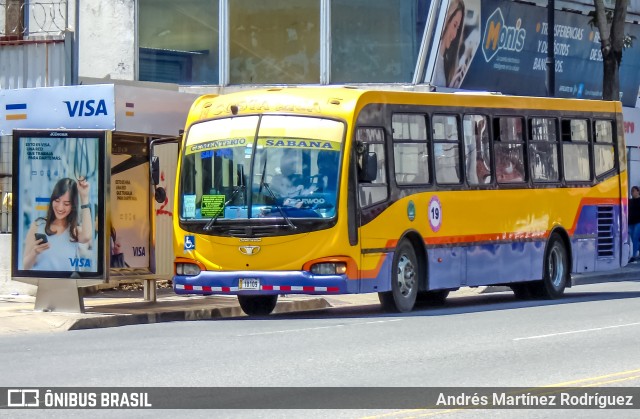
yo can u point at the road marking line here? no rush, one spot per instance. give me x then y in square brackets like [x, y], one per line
[318, 328]
[612, 381]
[596, 329]
[616, 374]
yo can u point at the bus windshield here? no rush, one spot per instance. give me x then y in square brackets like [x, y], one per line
[260, 167]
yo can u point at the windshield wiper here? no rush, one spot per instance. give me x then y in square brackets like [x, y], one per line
[213, 220]
[275, 203]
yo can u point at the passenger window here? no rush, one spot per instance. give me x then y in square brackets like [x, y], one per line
[446, 146]
[410, 149]
[543, 150]
[575, 150]
[508, 147]
[477, 155]
[378, 189]
[603, 147]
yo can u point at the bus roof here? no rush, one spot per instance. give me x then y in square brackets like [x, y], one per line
[341, 102]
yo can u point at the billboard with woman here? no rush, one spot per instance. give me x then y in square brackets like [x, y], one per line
[59, 206]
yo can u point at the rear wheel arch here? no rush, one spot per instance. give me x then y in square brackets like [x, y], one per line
[420, 249]
[564, 236]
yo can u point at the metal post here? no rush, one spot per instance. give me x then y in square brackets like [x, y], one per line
[150, 290]
[551, 59]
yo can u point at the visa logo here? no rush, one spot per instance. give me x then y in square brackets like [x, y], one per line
[497, 36]
[80, 262]
[89, 107]
[138, 251]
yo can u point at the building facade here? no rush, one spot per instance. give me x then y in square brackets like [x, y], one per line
[218, 46]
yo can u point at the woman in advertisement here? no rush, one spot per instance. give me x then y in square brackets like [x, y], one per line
[52, 242]
[447, 62]
[458, 43]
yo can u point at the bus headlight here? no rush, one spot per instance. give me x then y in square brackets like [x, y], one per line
[188, 269]
[329, 268]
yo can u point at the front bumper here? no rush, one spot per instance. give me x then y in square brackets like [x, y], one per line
[271, 282]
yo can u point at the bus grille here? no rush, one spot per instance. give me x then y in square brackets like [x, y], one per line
[605, 243]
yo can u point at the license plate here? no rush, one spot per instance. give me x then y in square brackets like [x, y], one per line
[249, 284]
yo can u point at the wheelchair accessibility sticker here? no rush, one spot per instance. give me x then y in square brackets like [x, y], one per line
[189, 243]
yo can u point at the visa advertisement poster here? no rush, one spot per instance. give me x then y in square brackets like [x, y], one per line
[129, 233]
[502, 46]
[58, 178]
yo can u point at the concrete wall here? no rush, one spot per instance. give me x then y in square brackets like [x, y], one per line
[107, 43]
[7, 286]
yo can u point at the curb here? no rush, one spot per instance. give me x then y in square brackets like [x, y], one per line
[98, 320]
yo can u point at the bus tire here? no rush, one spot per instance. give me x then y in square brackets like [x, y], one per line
[405, 279]
[257, 305]
[555, 271]
[435, 298]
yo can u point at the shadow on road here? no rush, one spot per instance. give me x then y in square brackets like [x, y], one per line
[457, 305]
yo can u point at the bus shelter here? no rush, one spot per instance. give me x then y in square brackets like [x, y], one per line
[82, 165]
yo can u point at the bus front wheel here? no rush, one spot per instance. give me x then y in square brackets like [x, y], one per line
[405, 279]
[555, 271]
[257, 305]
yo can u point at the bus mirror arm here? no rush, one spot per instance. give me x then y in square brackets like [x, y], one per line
[160, 195]
[155, 170]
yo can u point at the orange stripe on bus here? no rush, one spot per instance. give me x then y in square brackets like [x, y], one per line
[373, 273]
[492, 237]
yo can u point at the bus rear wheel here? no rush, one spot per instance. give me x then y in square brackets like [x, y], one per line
[405, 279]
[555, 271]
[257, 305]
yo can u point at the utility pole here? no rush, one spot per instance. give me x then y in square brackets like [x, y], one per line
[551, 50]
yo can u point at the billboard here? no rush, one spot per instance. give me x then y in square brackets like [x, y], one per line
[500, 45]
[130, 205]
[58, 217]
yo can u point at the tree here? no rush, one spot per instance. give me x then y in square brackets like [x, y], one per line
[610, 24]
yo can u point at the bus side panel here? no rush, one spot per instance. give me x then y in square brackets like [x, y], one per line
[597, 241]
[446, 267]
[504, 263]
[378, 280]
[584, 259]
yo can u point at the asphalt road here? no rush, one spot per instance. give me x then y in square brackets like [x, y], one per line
[589, 338]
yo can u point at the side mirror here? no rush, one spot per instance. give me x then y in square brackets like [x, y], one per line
[155, 170]
[160, 195]
[369, 170]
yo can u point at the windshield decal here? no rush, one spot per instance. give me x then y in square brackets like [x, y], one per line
[189, 206]
[212, 205]
[299, 143]
[217, 144]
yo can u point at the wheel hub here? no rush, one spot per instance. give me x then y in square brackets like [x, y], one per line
[406, 275]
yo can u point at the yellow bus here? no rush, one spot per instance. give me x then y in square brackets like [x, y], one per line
[405, 194]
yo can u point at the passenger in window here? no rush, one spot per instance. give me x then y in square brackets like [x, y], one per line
[509, 167]
[634, 223]
[287, 182]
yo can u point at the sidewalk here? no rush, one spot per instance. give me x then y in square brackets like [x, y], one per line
[119, 308]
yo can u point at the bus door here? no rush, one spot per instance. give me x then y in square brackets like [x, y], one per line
[372, 192]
